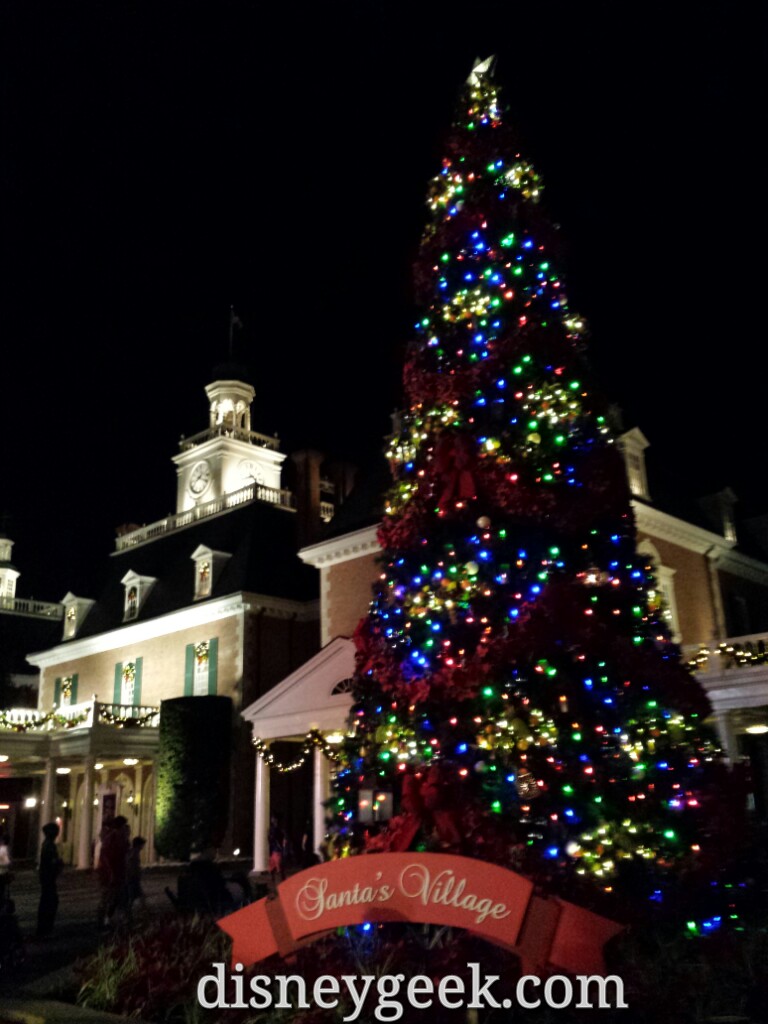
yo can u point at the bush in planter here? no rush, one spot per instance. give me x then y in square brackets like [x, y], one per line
[193, 768]
[153, 973]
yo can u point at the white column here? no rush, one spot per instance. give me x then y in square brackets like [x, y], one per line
[86, 818]
[261, 816]
[138, 783]
[69, 833]
[726, 735]
[48, 795]
[321, 778]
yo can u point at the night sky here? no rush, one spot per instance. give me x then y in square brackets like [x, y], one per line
[159, 162]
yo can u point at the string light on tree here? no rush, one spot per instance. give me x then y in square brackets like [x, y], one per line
[516, 685]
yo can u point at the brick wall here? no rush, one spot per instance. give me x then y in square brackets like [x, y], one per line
[347, 593]
[693, 592]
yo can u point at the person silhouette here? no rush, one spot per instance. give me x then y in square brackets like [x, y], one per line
[49, 869]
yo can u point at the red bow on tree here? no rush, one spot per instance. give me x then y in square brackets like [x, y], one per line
[454, 462]
[423, 803]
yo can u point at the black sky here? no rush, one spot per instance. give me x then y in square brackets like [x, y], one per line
[159, 162]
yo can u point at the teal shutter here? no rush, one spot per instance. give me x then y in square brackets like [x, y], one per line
[73, 698]
[213, 665]
[118, 691]
[189, 670]
[57, 691]
[137, 682]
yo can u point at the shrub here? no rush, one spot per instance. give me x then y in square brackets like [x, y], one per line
[193, 765]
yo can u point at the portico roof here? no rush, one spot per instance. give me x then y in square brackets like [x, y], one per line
[316, 696]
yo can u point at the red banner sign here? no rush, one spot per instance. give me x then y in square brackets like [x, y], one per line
[429, 888]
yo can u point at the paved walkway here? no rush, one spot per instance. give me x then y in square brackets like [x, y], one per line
[46, 970]
[75, 933]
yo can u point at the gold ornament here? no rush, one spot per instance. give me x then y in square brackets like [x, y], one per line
[526, 785]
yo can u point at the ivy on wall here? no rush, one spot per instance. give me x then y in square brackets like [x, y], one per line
[193, 769]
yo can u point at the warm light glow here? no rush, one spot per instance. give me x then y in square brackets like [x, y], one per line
[98, 766]
[757, 730]
[130, 761]
[3, 758]
[31, 801]
[334, 737]
[63, 771]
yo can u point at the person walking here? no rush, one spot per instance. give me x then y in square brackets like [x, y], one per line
[277, 842]
[134, 890]
[112, 869]
[49, 870]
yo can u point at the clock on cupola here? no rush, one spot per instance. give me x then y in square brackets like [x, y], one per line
[228, 458]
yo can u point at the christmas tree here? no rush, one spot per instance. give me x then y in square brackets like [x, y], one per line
[517, 690]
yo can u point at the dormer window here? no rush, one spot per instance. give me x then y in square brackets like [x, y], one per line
[718, 508]
[633, 445]
[136, 590]
[208, 566]
[203, 579]
[75, 611]
[8, 574]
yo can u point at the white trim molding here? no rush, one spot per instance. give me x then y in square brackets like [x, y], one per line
[745, 566]
[677, 531]
[305, 699]
[191, 617]
[342, 548]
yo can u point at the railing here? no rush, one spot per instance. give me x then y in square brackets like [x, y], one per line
[327, 508]
[251, 436]
[83, 715]
[27, 606]
[736, 652]
[258, 492]
[123, 716]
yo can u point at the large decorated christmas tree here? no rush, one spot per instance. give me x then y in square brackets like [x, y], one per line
[517, 690]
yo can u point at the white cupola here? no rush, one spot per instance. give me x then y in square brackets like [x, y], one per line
[229, 458]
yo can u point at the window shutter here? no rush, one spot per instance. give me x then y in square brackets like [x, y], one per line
[57, 691]
[137, 682]
[189, 670]
[118, 691]
[73, 698]
[213, 665]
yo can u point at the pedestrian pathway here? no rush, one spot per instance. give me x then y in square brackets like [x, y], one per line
[46, 969]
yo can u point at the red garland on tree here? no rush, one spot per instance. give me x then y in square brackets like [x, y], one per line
[516, 686]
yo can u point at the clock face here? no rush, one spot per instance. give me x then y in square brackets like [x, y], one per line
[199, 478]
[251, 472]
